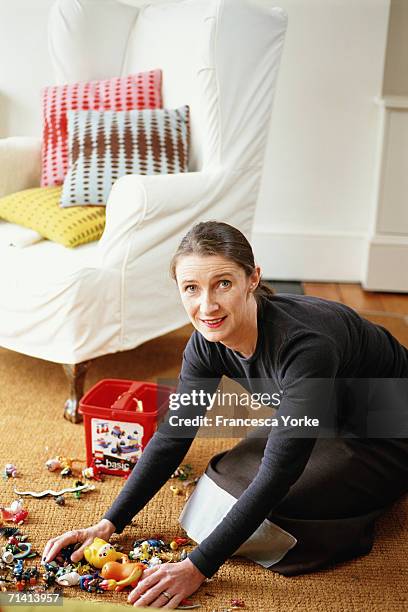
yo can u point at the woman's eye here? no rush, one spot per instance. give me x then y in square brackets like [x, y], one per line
[225, 283]
[190, 288]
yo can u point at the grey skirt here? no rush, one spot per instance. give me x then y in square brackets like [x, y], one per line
[328, 515]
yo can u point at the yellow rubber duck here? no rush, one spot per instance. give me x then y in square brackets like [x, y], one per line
[99, 552]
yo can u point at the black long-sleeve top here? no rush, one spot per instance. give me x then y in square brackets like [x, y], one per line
[299, 338]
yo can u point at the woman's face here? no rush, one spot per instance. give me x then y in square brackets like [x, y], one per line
[216, 294]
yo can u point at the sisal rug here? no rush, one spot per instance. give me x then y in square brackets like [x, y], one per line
[32, 394]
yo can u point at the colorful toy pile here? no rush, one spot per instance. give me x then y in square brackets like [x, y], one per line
[103, 568]
[65, 465]
[13, 575]
[155, 551]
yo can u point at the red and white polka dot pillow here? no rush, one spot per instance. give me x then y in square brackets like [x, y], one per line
[133, 92]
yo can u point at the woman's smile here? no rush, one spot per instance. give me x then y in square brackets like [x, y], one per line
[214, 323]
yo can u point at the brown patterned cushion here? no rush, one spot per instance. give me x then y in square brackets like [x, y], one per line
[105, 145]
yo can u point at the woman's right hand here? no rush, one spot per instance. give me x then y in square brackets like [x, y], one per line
[103, 529]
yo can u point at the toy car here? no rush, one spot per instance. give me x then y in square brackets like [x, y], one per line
[117, 431]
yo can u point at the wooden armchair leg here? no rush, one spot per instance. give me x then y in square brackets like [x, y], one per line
[76, 374]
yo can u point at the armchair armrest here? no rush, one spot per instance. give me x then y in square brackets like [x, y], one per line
[20, 164]
[146, 211]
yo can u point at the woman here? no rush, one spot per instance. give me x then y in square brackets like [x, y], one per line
[311, 500]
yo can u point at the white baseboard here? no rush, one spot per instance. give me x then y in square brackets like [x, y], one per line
[310, 256]
[387, 264]
[379, 264]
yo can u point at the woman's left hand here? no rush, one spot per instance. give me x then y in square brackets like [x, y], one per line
[176, 580]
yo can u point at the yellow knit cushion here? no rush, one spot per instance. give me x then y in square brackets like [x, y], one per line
[39, 210]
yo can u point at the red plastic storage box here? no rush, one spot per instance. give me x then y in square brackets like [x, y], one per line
[120, 417]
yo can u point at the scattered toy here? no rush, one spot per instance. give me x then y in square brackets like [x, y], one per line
[181, 541]
[92, 473]
[237, 603]
[77, 494]
[52, 464]
[60, 500]
[120, 575]
[49, 578]
[91, 583]
[10, 471]
[21, 551]
[51, 566]
[8, 557]
[18, 569]
[8, 532]
[100, 552]
[155, 551]
[191, 481]
[82, 568]
[183, 472]
[84, 488]
[69, 579]
[14, 513]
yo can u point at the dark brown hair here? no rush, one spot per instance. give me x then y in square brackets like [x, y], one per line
[217, 238]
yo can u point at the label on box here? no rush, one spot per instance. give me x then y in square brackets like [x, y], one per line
[116, 445]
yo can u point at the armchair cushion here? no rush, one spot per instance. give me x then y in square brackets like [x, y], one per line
[39, 210]
[106, 145]
[136, 91]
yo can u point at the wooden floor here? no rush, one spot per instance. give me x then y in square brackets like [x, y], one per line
[387, 309]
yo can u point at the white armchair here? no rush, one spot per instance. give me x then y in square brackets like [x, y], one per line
[219, 56]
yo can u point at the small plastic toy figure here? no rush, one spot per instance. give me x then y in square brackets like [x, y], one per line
[10, 471]
[91, 583]
[69, 579]
[92, 473]
[100, 552]
[18, 569]
[49, 578]
[120, 575]
[14, 513]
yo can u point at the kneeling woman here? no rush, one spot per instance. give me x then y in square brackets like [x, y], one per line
[293, 503]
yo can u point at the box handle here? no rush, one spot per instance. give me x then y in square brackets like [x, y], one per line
[127, 400]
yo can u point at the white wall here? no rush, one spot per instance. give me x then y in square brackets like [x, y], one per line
[24, 65]
[315, 202]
